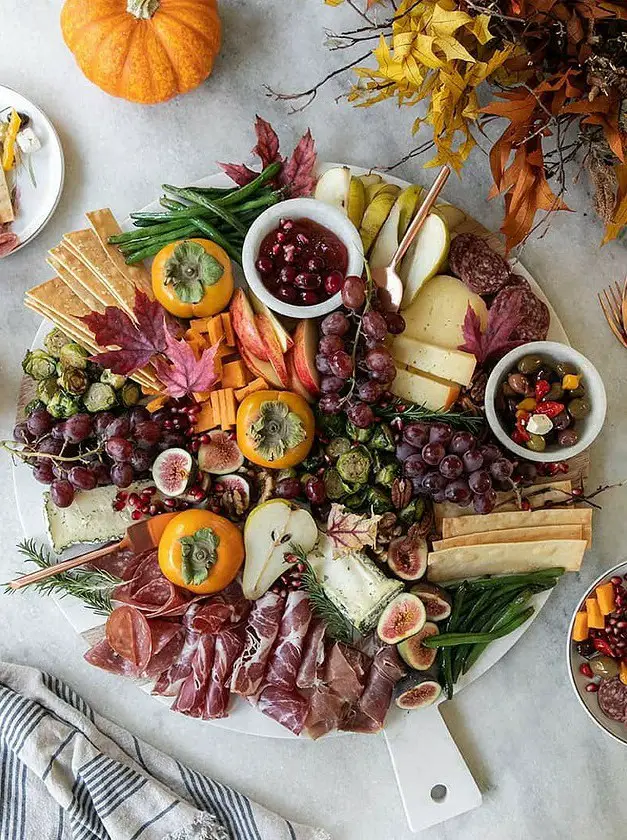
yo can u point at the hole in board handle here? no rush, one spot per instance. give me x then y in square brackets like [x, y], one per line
[438, 793]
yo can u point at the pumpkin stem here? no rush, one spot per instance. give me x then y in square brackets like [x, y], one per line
[142, 9]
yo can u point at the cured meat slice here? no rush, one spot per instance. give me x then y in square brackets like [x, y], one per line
[128, 633]
[229, 607]
[535, 316]
[288, 708]
[368, 714]
[228, 646]
[103, 656]
[261, 631]
[192, 694]
[472, 260]
[150, 591]
[313, 655]
[288, 650]
[120, 563]
[171, 678]
[612, 696]
[326, 711]
[345, 671]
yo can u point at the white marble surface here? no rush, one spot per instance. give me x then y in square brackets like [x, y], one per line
[545, 771]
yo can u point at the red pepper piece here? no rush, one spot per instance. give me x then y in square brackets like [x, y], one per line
[542, 389]
[603, 647]
[520, 434]
[550, 408]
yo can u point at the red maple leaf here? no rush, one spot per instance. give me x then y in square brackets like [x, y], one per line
[138, 342]
[502, 321]
[297, 173]
[267, 148]
[239, 172]
[183, 373]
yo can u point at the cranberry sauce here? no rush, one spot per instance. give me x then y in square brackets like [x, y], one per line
[302, 262]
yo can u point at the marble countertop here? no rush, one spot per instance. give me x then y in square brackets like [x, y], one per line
[544, 769]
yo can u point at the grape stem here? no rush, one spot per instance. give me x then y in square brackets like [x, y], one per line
[25, 455]
[367, 307]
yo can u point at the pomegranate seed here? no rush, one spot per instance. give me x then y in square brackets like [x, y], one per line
[136, 515]
[195, 445]
[144, 509]
[218, 487]
[121, 496]
[603, 647]
[586, 670]
[170, 503]
[133, 500]
[591, 688]
[205, 438]
[621, 625]
[198, 495]
[616, 581]
[612, 621]
[118, 505]
[300, 567]
[167, 424]
[280, 236]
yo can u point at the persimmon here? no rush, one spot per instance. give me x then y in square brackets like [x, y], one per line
[275, 429]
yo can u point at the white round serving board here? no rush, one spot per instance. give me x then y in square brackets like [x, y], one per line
[409, 735]
[37, 201]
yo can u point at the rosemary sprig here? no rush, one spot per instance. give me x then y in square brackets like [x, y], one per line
[92, 586]
[337, 626]
[412, 412]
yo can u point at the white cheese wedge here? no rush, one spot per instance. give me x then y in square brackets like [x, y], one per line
[505, 559]
[436, 361]
[438, 311]
[90, 518]
[424, 390]
[28, 141]
[6, 207]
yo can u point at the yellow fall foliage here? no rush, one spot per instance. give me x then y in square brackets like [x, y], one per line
[440, 54]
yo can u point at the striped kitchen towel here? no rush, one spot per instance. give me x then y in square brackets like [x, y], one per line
[68, 774]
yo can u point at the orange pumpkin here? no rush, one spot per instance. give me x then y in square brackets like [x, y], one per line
[143, 50]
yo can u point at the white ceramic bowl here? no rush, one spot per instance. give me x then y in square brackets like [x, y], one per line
[589, 701]
[300, 208]
[588, 427]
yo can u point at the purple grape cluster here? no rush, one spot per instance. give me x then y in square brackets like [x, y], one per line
[370, 364]
[127, 445]
[452, 466]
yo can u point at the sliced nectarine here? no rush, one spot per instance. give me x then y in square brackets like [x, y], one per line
[305, 348]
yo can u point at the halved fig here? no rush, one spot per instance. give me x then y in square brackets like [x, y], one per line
[414, 653]
[438, 603]
[407, 557]
[172, 471]
[221, 455]
[415, 691]
[403, 617]
[235, 494]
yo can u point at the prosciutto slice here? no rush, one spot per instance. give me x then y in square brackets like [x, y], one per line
[227, 608]
[191, 697]
[289, 708]
[325, 713]
[150, 591]
[228, 646]
[345, 670]
[288, 650]
[309, 672]
[368, 714]
[261, 631]
[174, 672]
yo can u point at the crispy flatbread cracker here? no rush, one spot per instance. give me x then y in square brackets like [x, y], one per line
[86, 245]
[85, 276]
[505, 559]
[547, 532]
[58, 297]
[105, 225]
[73, 285]
[461, 525]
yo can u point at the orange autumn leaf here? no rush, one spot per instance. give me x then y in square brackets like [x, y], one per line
[619, 219]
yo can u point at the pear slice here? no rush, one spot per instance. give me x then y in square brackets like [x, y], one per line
[376, 189]
[370, 179]
[452, 215]
[333, 187]
[270, 530]
[395, 226]
[376, 214]
[425, 257]
[356, 201]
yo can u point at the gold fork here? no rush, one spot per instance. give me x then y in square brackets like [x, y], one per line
[613, 302]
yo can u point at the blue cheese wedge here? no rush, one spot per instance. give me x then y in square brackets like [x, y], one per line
[90, 518]
[353, 583]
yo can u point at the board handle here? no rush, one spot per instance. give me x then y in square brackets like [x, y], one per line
[434, 782]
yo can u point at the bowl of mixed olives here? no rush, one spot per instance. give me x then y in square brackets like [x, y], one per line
[545, 401]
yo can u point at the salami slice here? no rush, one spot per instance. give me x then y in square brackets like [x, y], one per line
[612, 695]
[129, 635]
[151, 592]
[535, 316]
[477, 265]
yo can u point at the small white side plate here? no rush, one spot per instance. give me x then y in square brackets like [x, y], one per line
[37, 202]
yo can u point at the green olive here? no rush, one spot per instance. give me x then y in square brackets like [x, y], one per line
[555, 393]
[577, 392]
[579, 407]
[565, 367]
[530, 364]
[604, 666]
[536, 443]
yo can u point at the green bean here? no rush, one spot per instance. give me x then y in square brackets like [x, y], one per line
[153, 246]
[213, 234]
[145, 233]
[506, 580]
[249, 189]
[454, 639]
[501, 617]
[216, 209]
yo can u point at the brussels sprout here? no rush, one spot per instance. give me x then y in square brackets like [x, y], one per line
[72, 355]
[382, 438]
[130, 394]
[46, 389]
[38, 364]
[74, 381]
[386, 475]
[334, 485]
[116, 380]
[287, 472]
[331, 425]
[379, 501]
[63, 405]
[54, 341]
[356, 501]
[99, 397]
[33, 405]
[360, 435]
[413, 512]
